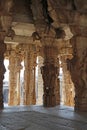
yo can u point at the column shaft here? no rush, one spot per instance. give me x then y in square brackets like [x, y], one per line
[78, 69]
[50, 73]
[2, 68]
[29, 76]
[68, 87]
[14, 78]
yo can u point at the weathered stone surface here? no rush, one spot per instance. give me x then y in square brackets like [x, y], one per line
[2, 68]
[14, 78]
[29, 75]
[40, 118]
[39, 82]
[77, 66]
[67, 84]
[50, 73]
[55, 23]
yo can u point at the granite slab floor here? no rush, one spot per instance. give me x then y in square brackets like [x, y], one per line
[40, 118]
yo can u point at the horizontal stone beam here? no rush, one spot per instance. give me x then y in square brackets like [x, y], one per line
[21, 39]
[18, 39]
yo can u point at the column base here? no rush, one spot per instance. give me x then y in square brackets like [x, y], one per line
[1, 106]
[49, 100]
[81, 105]
[81, 108]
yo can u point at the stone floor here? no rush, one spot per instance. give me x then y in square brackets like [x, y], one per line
[40, 118]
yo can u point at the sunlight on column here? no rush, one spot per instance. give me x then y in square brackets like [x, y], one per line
[5, 82]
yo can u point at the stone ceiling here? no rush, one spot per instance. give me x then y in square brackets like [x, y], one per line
[24, 18]
[23, 24]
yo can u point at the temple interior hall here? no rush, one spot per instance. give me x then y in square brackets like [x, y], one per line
[43, 64]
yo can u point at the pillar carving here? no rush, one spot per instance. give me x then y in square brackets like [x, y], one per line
[72, 14]
[5, 28]
[2, 68]
[18, 69]
[50, 72]
[14, 78]
[68, 87]
[39, 82]
[29, 75]
[78, 70]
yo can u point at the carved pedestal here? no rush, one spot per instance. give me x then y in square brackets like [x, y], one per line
[50, 73]
[2, 68]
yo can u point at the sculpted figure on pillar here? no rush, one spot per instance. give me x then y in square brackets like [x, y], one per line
[29, 75]
[50, 72]
[70, 13]
[77, 67]
[67, 86]
[14, 77]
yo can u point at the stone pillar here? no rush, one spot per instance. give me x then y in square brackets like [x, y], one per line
[50, 72]
[5, 28]
[39, 82]
[18, 69]
[67, 84]
[78, 70]
[2, 68]
[29, 75]
[14, 78]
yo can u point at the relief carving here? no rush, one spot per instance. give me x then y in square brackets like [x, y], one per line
[78, 70]
[50, 72]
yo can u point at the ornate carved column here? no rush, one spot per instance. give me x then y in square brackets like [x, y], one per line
[18, 67]
[68, 87]
[2, 68]
[78, 69]
[14, 78]
[5, 29]
[39, 82]
[29, 75]
[50, 72]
